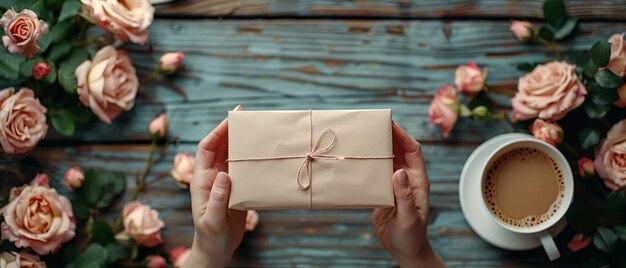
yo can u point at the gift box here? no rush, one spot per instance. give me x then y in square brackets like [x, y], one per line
[326, 159]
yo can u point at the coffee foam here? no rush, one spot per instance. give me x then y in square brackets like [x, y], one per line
[489, 186]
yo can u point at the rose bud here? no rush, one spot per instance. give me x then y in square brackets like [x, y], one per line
[252, 219]
[41, 70]
[442, 111]
[469, 79]
[155, 261]
[586, 167]
[578, 243]
[182, 170]
[158, 126]
[41, 179]
[546, 131]
[73, 178]
[179, 255]
[522, 30]
[171, 62]
[22, 30]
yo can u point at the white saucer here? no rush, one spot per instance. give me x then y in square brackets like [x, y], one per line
[477, 214]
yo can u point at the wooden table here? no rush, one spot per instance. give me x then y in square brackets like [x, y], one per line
[320, 54]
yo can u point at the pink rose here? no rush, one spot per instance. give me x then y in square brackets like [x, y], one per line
[522, 30]
[73, 178]
[182, 171]
[252, 219]
[41, 70]
[40, 218]
[578, 243]
[126, 20]
[158, 126]
[107, 84]
[443, 110]
[20, 260]
[611, 157]
[22, 30]
[621, 102]
[586, 168]
[617, 63]
[41, 179]
[155, 261]
[179, 255]
[469, 79]
[171, 62]
[22, 120]
[549, 132]
[142, 223]
[550, 91]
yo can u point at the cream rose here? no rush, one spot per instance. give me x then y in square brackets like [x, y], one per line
[142, 223]
[22, 120]
[469, 79]
[20, 260]
[172, 61]
[443, 110]
[617, 63]
[73, 178]
[125, 19]
[610, 159]
[182, 171]
[549, 92]
[522, 30]
[549, 132]
[22, 30]
[107, 84]
[158, 126]
[38, 217]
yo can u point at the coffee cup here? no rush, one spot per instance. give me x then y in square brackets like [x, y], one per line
[527, 186]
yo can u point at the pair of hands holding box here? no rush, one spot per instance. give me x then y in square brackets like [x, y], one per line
[219, 230]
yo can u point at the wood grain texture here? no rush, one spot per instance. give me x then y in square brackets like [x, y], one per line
[321, 64]
[287, 238]
[586, 9]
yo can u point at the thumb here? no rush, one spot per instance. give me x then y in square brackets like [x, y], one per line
[405, 201]
[217, 209]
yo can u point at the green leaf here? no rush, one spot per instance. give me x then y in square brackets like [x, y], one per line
[113, 184]
[116, 252]
[554, 12]
[34, 5]
[620, 231]
[94, 256]
[589, 137]
[581, 217]
[601, 95]
[608, 79]
[10, 65]
[595, 263]
[92, 192]
[78, 56]
[67, 78]
[102, 232]
[81, 211]
[69, 10]
[44, 42]
[615, 204]
[26, 68]
[526, 67]
[81, 114]
[600, 53]
[577, 57]
[59, 50]
[60, 31]
[546, 33]
[63, 123]
[605, 239]
[595, 110]
[566, 29]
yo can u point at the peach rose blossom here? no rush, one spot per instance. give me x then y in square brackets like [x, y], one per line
[469, 79]
[73, 178]
[252, 220]
[617, 63]
[182, 170]
[578, 243]
[522, 30]
[125, 19]
[621, 102]
[549, 92]
[179, 255]
[22, 30]
[41, 70]
[171, 62]
[142, 223]
[22, 120]
[20, 260]
[443, 110]
[155, 261]
[38, 217]
[158, 126]
[586, 167]
[107, 84]
[610, 159]
[549, 132]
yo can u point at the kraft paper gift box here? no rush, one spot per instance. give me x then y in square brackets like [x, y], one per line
[327, 159]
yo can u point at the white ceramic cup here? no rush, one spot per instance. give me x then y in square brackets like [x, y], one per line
[540, 230]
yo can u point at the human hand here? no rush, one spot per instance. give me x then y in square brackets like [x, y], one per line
[219, 230]
[402, 229]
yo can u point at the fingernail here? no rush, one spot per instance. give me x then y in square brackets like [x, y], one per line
[221, 179]
[402, 178]
[238, 108]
